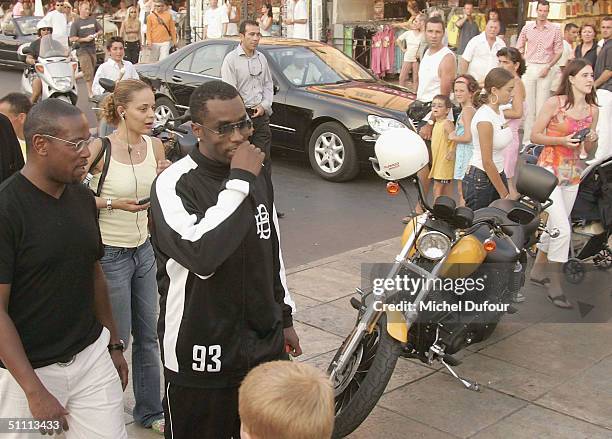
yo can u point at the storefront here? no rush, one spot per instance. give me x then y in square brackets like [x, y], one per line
[366, 30]
[578, 12]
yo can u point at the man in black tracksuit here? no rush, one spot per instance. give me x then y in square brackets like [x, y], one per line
[225, 306]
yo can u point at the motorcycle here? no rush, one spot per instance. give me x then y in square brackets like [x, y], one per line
[175, 134]
[415, 309]
[55, 69]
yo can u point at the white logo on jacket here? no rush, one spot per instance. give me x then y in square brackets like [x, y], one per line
[262, 220]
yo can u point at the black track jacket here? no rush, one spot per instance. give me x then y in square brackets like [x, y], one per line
[224, 298]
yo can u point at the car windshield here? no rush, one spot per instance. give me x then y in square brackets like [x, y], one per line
[303, 66]
[27, 25]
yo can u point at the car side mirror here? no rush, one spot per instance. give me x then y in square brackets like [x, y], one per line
[276, 89]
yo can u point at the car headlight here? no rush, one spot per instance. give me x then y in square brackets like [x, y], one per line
[433, 245]
[382, 124]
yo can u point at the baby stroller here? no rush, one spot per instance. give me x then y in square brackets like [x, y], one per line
[591, 220]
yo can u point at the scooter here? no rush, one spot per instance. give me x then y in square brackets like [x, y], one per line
[54, 68]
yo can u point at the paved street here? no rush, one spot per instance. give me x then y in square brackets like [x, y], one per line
[538, 379]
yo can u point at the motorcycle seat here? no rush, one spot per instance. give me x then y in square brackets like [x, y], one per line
[508, 205]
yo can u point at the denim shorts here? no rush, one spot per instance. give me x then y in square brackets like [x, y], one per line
[478, 191]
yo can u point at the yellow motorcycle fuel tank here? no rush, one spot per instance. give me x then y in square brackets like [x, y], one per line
[464, 258]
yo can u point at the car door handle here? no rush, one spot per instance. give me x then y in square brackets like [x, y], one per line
[176, 78]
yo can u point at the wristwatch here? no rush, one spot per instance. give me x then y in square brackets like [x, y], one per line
[109, 204]
[117, 346]
[430, 122]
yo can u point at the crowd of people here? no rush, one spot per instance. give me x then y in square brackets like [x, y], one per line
[543, 88]
[142, 230]
[78, 283]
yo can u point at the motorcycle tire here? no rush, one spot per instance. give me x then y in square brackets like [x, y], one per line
[379, 357]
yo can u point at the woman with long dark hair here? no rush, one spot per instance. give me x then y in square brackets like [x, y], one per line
[574, 108]
[265, 21]
[485, 180]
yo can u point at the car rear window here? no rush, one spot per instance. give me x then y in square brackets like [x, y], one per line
[206, 60]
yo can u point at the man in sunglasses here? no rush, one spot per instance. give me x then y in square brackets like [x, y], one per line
[247, 70]
[225, 306]
[61, 360]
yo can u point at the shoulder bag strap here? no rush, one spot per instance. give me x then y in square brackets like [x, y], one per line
[106, 148]
[163, 23]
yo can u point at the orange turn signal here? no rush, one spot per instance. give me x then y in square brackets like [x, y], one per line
[489, 245]
[393, 188]
[40, 68]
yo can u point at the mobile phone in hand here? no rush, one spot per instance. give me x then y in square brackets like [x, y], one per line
[580, 136]
[144, 201]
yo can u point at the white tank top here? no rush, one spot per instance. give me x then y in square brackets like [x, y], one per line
[429, 78]
[118, 227]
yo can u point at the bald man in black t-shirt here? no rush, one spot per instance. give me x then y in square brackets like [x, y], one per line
[60, 359]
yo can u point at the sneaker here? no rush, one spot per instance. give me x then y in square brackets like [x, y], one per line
[158, 426]
[518, 298]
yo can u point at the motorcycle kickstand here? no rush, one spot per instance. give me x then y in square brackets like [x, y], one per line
[471, 385]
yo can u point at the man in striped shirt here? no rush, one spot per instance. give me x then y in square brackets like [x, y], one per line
[541, 45]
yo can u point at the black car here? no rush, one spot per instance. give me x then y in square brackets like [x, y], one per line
[325, 103]
[15, 32]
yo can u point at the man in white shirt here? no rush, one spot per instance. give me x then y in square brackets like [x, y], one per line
[57, 21]
[570, 34]
[215, 21]
[480, 55]
[115, 68]
[300, 20]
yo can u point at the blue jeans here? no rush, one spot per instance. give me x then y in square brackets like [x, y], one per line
[478, 191]
[130, 275]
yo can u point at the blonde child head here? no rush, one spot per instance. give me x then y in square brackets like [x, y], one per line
[286, 400]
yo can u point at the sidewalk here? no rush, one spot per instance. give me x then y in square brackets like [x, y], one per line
[538, 379]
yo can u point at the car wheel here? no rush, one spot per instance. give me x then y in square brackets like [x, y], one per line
[332, 152]
[164, 110]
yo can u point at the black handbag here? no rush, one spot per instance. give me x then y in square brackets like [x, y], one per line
[417, 110]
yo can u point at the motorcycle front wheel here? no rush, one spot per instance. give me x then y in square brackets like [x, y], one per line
[365, 378]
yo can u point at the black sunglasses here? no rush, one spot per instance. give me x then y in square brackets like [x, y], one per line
[227, 129]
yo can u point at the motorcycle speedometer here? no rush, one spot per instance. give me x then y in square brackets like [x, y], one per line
[433, 245]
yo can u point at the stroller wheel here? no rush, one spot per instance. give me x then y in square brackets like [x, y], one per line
[603, 259]
[574, 271]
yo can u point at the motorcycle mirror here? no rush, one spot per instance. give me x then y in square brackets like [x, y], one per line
[107, 84]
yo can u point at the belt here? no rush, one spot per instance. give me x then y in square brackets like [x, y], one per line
[66, 361]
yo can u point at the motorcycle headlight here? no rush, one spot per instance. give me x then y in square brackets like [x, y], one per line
[433, 245]
[382, 124]
[63, 84]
